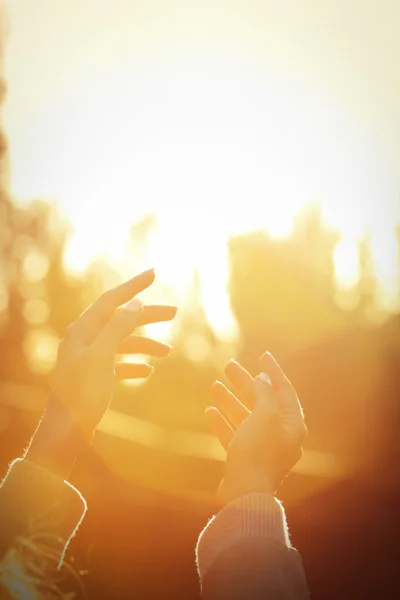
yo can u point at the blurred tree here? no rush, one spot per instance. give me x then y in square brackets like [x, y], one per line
[313, 243]
[140, 234]
[282, 291]
[194, 335]
[367, 285]
[41, 299]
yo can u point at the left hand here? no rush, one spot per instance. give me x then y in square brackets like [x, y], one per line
[86, 370]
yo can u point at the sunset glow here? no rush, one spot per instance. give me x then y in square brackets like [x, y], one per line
[212, 143]
[247, 151]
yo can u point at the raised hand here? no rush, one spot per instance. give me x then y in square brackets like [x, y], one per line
[261, 427]
[86, 370]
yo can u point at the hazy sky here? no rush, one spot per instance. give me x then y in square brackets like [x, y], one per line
[166, 101]
[350, 48]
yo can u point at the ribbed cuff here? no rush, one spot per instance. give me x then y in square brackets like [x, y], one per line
[254, 515]
[40, 502]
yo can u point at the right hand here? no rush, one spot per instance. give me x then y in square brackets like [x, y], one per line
[262, 432]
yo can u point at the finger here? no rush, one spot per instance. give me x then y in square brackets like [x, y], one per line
[136, 344]
[287, 397]
[266, 397]
[228, 404]
[219, 426]
[91, 321]
[118, 328]
[155, 314]
[242, 381]
[132, 370]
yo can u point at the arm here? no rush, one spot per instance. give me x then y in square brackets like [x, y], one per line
[36, 504]
[245, 551]
[35, 498]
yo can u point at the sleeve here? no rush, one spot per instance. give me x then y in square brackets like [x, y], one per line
[34, 503]
[245, 552]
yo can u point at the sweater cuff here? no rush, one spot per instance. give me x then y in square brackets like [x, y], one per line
[39, 502]
[251, 516]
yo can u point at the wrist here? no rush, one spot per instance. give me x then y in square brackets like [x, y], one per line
[235, 488]
[57, 443]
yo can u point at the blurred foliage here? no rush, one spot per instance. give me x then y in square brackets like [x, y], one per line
[282, 296]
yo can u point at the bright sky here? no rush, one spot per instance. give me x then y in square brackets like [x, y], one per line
[218, 116]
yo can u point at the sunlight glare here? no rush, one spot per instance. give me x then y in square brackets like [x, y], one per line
[386, 259]
[347, 263]
[212, 150]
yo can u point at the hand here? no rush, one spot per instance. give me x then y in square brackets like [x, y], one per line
[262, 429]
[85, 372]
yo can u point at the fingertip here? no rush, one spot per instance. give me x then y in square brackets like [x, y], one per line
[150, 371]
[145, 278]
[269, 364]
[266, 356]
[216, 390]
[209, 412]
[126, 370]
[165, 350]
[231, 364]
[171, 310]
[275, 371]
[216, 384]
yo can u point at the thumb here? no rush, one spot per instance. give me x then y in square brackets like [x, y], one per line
[120, 325]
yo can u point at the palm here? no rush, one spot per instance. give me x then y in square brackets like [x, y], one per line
[87, 368]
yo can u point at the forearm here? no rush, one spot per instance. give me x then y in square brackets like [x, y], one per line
[57, 442]
[245, 552]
